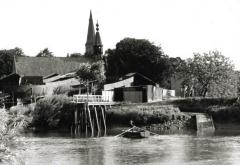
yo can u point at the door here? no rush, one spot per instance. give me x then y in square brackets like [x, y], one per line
[133, 96]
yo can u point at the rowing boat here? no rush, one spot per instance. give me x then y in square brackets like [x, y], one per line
[136, 132]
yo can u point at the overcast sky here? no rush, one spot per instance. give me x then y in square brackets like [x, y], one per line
[181, 27]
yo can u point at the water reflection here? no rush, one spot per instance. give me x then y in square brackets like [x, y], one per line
[164, 149]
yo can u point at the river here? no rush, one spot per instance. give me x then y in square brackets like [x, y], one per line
[55, 149]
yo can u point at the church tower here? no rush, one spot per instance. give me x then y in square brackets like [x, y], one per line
[94, 47]
[98, 44]
[90, 37]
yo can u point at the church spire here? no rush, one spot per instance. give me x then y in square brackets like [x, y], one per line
[97, 37]
[98, 43]
[90, 36]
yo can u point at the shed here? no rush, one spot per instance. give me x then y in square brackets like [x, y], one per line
[135, 88]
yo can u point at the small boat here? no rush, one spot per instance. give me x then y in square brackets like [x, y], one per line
[136, 132]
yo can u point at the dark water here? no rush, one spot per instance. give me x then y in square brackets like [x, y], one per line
[164, 149]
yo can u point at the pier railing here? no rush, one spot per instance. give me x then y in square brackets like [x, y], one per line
[91, 99]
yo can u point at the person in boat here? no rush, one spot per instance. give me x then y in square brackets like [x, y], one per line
[134, 128]
[131, 123]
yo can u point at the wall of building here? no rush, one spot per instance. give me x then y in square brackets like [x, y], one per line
[176, 84]
[154, 93]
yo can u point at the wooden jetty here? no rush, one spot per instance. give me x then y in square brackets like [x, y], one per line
[90, 115]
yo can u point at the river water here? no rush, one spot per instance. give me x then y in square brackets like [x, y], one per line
[164, 149]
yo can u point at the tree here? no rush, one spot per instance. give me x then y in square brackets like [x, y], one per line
[206, 69]
[17, 51]
[226, 87]
[135, 55]
[45, 53]
[6, 60]
[175, 65]
[92, 73]
[75, 55]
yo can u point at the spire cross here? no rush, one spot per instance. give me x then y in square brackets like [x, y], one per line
[97, 26]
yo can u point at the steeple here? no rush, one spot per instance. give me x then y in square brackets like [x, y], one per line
[98, 43]
[90, 37]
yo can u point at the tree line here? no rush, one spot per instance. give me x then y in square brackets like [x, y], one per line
[205, 74]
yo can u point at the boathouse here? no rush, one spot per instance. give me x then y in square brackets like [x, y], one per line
[135, 88]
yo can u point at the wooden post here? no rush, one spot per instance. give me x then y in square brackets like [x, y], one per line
[85, 117]
[90, 119]
[75, 120]
[93, 122]
[13, 98]
[79, 119]
[104, 121]
[82, 117]
[100, 119]
[95, 109]
[71, 129]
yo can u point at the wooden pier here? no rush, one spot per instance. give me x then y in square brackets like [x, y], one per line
[90, 115]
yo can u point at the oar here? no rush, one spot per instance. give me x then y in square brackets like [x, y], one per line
[123, 132]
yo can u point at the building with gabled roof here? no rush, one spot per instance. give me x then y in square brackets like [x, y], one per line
[40, 75]
[135, 87]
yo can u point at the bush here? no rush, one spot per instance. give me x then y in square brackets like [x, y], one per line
[203, 104]
[53, 112]
[22, 114]
[205, 101]
[9, 128]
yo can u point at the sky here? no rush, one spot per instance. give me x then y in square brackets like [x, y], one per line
[180, 27]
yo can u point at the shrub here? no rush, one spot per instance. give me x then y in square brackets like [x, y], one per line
[53, 112]
[22, 115]
[9, 128]
[205, 101]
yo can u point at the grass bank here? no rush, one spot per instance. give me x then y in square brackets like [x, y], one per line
[225, 111]
[221, 109]
[161, 116]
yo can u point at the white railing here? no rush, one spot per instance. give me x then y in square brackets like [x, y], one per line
[90, 98]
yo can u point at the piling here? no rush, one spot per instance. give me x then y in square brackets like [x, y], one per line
[96, 115]
[89, 115]
[104, 121]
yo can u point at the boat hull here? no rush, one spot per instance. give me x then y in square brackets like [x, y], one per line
[136, 134]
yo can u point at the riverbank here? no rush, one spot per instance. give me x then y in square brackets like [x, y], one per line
[156, 117]
[56, 113]
[179, 114]
[222, 110]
